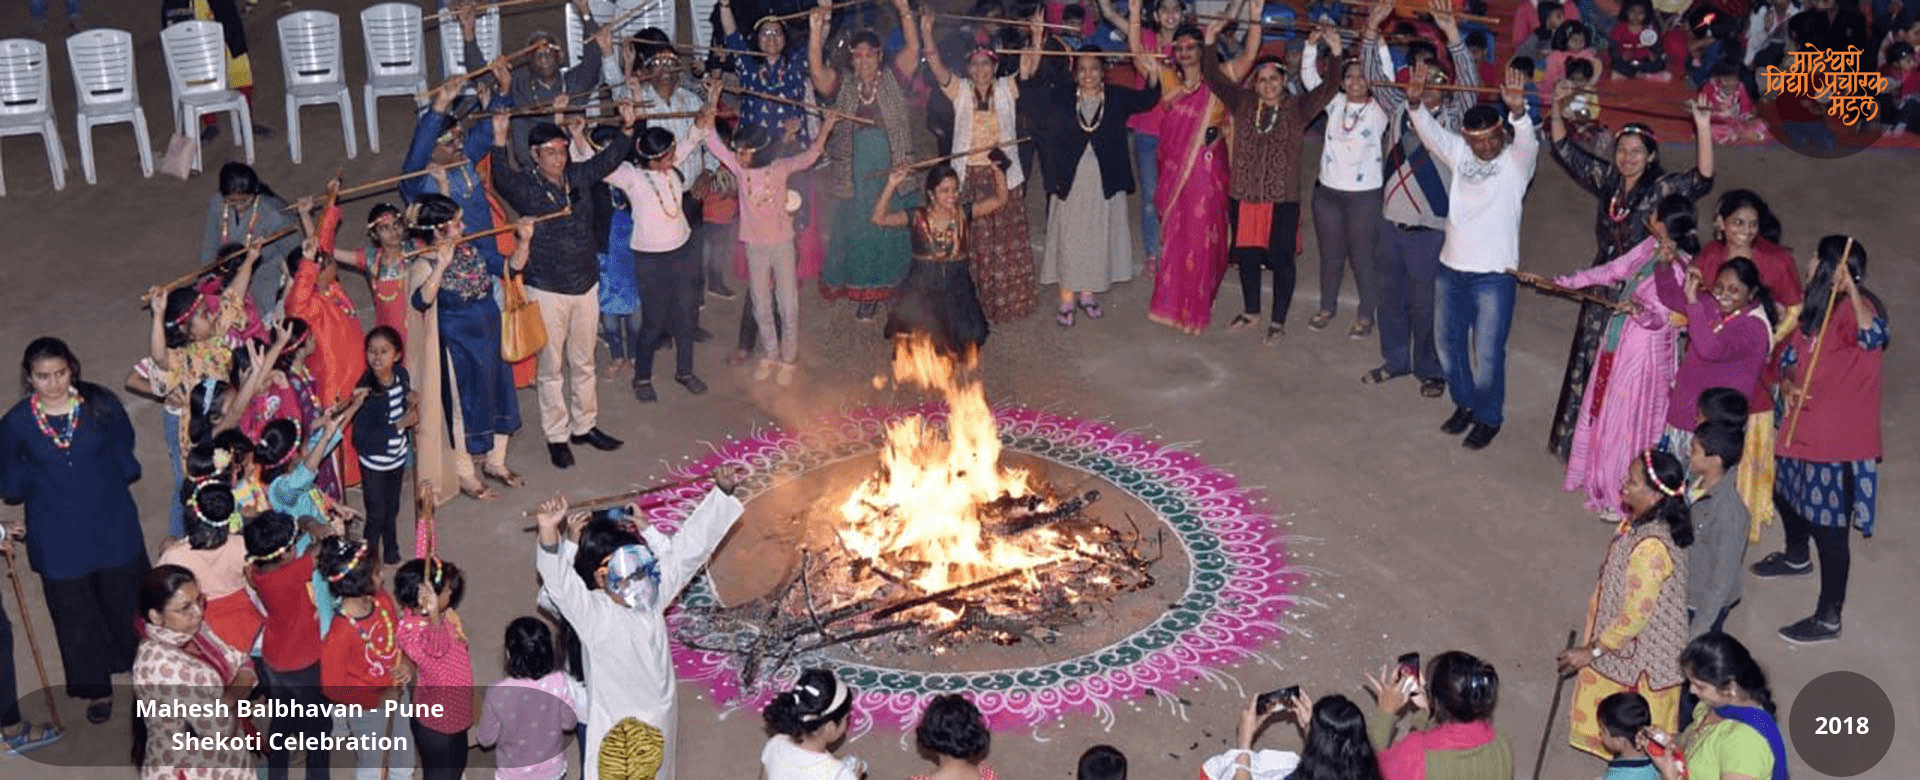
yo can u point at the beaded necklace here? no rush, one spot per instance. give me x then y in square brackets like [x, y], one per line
[867, 92]
[60, 440]
[1351, 119]
[1617, 208]
[380, 661]
[1728, 318]
[1266, 118]
[671, 210]
[253, 218]
[1088, 125]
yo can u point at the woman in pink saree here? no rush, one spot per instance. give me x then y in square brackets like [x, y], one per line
[1192, 196]
[1627, 389]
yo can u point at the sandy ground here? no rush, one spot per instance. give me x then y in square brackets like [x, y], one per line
[1417, 543]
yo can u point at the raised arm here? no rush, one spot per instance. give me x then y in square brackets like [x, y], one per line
[884, 215]
[1143, 61]
[826, 80]
[1376, 62]
[1241, 63]
[908, 58]
[1446, 146]
[1225, 87]
[1703, 135]
[1466, 71]
[1030, 54]
[941, 75]
[1114, 18]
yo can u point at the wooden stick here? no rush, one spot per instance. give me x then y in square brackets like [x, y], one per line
[428, 249]
[480, 9]
[1632, 109]
[629, 15]
[474, 74]
[689, 47]
[622, 499]
[377, 185]
[224, 259]
[1006, 22]
[1553, 709]
[26, 623]
[1444, 87]
[1813, 361]
[945, 157]
[1051, 53]
[1415, 9]
[1567, 292]
[803, 104]
[605, 120]
[809, 12]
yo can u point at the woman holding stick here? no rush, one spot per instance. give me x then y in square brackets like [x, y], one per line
[1155, 36]
[1625, 408]
[1089, 243]
[455, 285]
[1192, 198]
[1829, 454]
[1630, 187]
[1264, 186]
[244, 211]
[777, 71]
[864, 263]
[938, 299]
[66, 450]
[983, 114]
[1347, 195]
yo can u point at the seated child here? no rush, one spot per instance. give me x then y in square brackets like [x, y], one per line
[1733, 116]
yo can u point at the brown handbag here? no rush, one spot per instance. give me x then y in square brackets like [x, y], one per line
[522, 332]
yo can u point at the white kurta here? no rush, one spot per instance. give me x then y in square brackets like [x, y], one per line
[629, 661]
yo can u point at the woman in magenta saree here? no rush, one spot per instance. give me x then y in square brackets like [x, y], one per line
[1192, 196]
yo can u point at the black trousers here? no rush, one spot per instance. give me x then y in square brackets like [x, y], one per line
[670, 291]
[382, 490]
[442, 756]
[9, 690]
[1277, 256]
[1836, 559]
[301, 686]
[93, 618]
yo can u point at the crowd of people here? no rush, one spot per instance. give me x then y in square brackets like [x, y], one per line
[1714, 382]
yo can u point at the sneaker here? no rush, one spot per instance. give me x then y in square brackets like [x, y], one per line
[1811, 630]
[1779, 565]
[644, 392]
[1481, 436]
[1457, 424]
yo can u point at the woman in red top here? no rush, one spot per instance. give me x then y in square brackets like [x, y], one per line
[436, 643]
[1746, 227]
[1829, 464]
[280, 568]
[360, 659]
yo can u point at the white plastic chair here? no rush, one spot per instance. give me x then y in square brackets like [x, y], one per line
[106, 92]
[26, 102]
[607, 11]
[196, 54]
[314, 66]
[486, 28]
[396, 59]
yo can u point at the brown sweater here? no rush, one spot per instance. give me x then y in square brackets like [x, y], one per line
[1266, 163]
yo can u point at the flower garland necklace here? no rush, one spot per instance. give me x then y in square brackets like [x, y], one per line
[1088, 125]
[60, 440]
[867, 94]
[253, 218]
[671, 210]
[377, 661]
[1731, 317]
[1266, 118]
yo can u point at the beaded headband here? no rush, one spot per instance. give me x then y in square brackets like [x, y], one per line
[1482, 132]
[359, 554]
[276, 553]
[231, 521]
[298, 438]
[1654, 477]
[979, 50]
[1635, 128]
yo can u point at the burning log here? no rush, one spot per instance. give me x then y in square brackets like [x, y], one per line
[1020, 524]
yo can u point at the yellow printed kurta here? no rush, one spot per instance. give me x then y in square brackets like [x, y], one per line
[1754, 475]
[1649, 567]
[239, 69]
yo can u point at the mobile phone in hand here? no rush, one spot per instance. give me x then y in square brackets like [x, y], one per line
[1409, 664]
[1275, 700]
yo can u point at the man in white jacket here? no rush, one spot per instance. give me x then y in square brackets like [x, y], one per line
[1490, 163]
[614, 588]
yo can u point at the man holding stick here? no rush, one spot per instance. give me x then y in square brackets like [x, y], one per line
[438, 140]
[541, 80]
[563, 273]
[1490, 163]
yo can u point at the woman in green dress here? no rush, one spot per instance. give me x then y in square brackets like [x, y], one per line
[865, 263]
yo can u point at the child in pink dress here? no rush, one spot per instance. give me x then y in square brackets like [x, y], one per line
[435, 642]
[1733, 115]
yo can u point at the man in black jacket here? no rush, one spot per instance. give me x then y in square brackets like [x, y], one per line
[563, 273]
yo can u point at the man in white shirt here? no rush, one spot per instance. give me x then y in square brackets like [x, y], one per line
[1490, 164]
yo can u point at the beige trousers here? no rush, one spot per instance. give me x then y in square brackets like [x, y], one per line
[572, 323]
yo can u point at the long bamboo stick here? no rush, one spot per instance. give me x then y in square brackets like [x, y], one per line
[1415, 8]
[481, 9]
[377, 185]
[809, 12]
[946, 157]
[1051, 53]
[814, 107]
[1813, 361]
[474, 74]
[604, 120]
[430, 248]
[622, 499]
[1567, 292]
[226, 258]
[1444, 87]
[26, 623]
[1006, 22]
[690, 47]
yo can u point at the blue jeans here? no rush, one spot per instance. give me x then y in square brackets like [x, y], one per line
[38, 8]
[1473, 313]
[176, 514]
[1405, 262]
[1146, 150]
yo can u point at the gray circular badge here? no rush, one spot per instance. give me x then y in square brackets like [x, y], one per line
[1842, 724]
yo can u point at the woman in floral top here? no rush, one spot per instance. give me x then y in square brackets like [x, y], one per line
[182, 661]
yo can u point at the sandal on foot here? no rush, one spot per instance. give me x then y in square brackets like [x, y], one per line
[100, 711]
[32, 736]
[1274, 331]
[1361, 329]
[1433, 387]
[1065, 317]
[504, 476]
[1320, 320]
[1242, 322]
[1380, 376]
[479, 491]
[1092, 308]
[739, 357]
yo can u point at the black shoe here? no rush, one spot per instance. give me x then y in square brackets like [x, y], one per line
[561, 454]
[1457, 424]
[1779, 565]
[644, 392]
[701, 335]
[599, 440]
[691, 383]
[99, 712]
[393, 557]
[1481, 436]
[1432, 387]
[208, 133]
[1812, 630]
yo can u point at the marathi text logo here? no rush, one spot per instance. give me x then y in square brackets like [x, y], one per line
[1831, 77]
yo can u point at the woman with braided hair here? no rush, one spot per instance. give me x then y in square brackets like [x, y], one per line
[806, 722]
[1637, 619]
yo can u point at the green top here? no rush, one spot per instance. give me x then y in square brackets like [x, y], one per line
[1713, 749]
[1491, 761]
